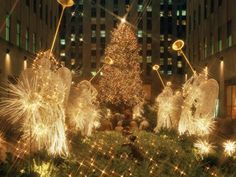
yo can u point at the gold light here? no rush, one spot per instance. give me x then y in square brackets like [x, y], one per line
[156, 68]
[66, 3]
[177, 46]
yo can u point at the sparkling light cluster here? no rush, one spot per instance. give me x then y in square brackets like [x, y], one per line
[120, 83]
[203, 147]
[37, 101]
[229, 147]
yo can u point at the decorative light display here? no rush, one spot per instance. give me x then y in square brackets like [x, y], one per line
[229, 147]
[203, 147]
[37, 101]
[120, 83]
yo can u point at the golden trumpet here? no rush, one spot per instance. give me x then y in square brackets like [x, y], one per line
[66, 3]
[177, 46]
[156, 68]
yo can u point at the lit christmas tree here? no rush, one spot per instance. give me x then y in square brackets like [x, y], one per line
[121, 85]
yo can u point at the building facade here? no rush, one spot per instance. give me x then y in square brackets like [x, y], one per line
[26, 27]
[172, 27]
[211, 44]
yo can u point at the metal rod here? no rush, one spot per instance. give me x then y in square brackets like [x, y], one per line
[56, 33]
[186, 59]
[162, 82]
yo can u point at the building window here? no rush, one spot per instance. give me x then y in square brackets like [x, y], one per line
[177, 13]
[219, 39]
[140, 33]
[149, 59]
[205, 47]
[140, 8]
[169, 2]
[41, 9]
[211, 44]
[169, 61]
[72, 37]
[162, 49]
[102, 33]
[34, 42]
[102, 13]
[93, 12]
[63, 54]
[162, 37]
[149, 8]
[161, 13]
[63, 42]
[199, 14]
[212, 6]
[231, 101]
[220, 2]
[8, 27]
[169, 72]
[161, 61]
[18, 34]
[229, 33]
[46, 14]
[184, 13]
[179, 64]
[205, 9]
[27, 2]
[27, 39]
[35, 6]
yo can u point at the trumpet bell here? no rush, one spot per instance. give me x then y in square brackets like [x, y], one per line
[155, 67]
[66, 3]
[178, 45]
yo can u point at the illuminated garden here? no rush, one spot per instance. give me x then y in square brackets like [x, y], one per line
[56, 127]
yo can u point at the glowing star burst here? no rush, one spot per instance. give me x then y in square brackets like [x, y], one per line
[36, 102]
[204, 126]
[44, 169]
[229, 147]
[203, 147]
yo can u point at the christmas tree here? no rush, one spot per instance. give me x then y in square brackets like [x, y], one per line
[120, 85]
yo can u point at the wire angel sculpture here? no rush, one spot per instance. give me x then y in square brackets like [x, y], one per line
[83, 111]
[168, 106]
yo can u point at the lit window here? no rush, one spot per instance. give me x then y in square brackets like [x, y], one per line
[18, 34]
[169, 72]
[161, 61]
[169, 13]
[103, 33]
[169, 61]
[27, 39]
[149, 8]
[93, 33]
[62, 54]
[63, 42]
[184, 22]
[177, 13]
[8, 27]
[179, 64]
[162, 49]
[72, 37]
[72, 61]
[149, 59]
[149, 35]
[140, 8]
[34, 42]
[169, 37]
[161, 13]
[140, 33]
[169, 2]
[93, 73]
[183, 12]
[161, 2]
[162, 37]
[229, 33]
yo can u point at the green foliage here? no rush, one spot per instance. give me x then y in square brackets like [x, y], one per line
[164, 154]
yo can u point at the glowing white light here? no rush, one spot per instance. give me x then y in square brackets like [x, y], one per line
[229, 147]
[123, 20]
[203, 147]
